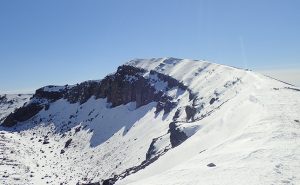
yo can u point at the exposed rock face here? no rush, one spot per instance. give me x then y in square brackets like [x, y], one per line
[51, 96]
[165, 103]
[152, 150]
[108, 182]
[213, 100]
[171, 81]
[80, 93]
[190, 113]
[177, 114]
[176, 135]
[3, 98]
[22, 114]
[128, 84]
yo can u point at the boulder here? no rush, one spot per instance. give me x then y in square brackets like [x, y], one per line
[211, 165]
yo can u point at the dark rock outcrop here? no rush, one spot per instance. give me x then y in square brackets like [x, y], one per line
[109, 181]
[176, 135]
[3, 99]
[211, 165]
[172, 82]
[50, 96]
[67, 144]
[177, 114]
[80, 93]
[213, 100]
[190, 113]
[22, 114]
[166, 104]
[126, 85]
[152, 150]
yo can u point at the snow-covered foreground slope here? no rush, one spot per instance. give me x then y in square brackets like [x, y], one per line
[158, 121]
[253, 139]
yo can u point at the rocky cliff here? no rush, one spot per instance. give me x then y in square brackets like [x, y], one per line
[128, 84]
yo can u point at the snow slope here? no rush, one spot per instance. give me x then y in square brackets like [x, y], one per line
[253, 139]
[243, 122]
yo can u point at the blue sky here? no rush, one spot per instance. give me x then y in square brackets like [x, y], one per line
[69, 41]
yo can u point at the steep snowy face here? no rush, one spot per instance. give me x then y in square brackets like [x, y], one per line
[151, 119]
[251, 137]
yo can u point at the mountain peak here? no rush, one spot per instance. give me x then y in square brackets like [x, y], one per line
[156, 63]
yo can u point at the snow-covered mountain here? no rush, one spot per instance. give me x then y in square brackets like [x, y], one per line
[10, 102]
[160, 121]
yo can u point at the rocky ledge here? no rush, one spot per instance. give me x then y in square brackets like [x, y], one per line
[128, 84]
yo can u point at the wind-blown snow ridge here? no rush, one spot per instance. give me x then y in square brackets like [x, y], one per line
[196, 122]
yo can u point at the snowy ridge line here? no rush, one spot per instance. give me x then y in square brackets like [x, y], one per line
[295, 89]
[279, 80]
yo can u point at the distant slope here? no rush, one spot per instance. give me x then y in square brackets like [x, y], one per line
[10, 102]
